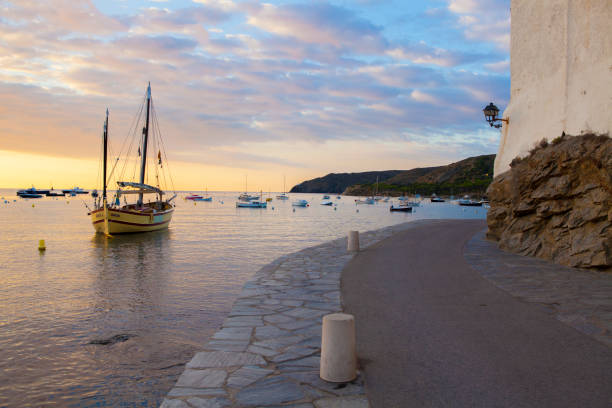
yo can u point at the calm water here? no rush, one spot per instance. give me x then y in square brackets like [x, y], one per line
[169, 290]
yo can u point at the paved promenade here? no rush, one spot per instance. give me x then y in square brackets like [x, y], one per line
[432, 332]
[267, 352]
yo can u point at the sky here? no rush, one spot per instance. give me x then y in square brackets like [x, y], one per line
[294, 89]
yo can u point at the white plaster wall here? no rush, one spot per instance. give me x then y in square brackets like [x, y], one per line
[561, 73]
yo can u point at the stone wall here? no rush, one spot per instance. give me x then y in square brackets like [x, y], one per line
[561, 70]
[556, 203]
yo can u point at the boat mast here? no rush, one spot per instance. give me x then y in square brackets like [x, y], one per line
[145, 132]
[105, 154]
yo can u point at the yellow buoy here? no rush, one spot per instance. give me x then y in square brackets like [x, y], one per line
[41, 245]
[32, 205]
[194, 203]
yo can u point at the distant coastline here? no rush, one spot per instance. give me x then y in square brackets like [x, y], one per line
[469, 176]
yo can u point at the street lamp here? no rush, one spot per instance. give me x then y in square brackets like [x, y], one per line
[490, 112]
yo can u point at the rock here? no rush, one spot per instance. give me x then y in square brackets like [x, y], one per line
[117, 338]
[556, 203]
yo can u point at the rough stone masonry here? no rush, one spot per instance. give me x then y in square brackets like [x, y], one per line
[556, 203]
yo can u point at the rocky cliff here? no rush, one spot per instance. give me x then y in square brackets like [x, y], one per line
[556, 203]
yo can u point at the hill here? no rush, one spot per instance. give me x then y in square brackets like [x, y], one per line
[469, 176]
[336, 183]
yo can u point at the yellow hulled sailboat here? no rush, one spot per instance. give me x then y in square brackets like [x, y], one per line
[114, 218]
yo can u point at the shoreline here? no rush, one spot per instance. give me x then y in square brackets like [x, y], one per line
[267, 350]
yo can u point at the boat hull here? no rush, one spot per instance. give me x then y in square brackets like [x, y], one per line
[127, 222]
[401, 208]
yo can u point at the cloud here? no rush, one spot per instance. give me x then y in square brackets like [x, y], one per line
[319, 23]
[484, 20]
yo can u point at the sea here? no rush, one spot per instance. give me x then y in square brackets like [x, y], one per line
[98, 322]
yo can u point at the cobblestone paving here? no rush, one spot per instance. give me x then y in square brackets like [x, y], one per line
[578, 297]
[267, 352]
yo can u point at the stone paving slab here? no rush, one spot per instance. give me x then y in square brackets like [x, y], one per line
[267, 353]
[577, 297]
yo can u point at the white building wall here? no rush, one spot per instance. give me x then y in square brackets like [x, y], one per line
[561, 73]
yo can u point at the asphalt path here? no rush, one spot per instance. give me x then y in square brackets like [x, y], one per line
[431, 332]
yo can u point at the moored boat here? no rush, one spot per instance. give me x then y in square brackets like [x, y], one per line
[115, 218]
[283, 195]
[31, 193]
[435, 199]
[194, 197]
[300, 203]
[466, 201]
[401, 207]
[251, 204]
[75, 190]
[327, 202]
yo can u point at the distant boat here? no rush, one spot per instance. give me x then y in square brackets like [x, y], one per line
[326, 197]
[435, 199]
[194, 197]
[31, 193]
[257, 203]
[327, 202]
[406, 201]
[140, 216]
[300, 203]
[251, 204]
[283, 195]
[246, 196]
[94, 193]
[401, 207]
[466, 201]
[75, 190]
[338, 197]
[368, 200]
[198, 197]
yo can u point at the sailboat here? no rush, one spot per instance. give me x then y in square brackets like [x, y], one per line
[114, 218]
[258, 203]
[283, 195]
[246, 196]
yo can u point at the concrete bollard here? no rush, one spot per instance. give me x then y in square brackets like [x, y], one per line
[338, 357]
[353, 241]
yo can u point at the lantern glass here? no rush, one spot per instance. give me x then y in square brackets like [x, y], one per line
[490, 112]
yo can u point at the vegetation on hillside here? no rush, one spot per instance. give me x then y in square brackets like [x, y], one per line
[470, 176]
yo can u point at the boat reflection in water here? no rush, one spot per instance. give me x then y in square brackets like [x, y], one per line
[137, 337]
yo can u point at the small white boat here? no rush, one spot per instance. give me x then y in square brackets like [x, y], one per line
[251, 204]
[327, 202]
[435, 199]
[300, 203]
[283, 195]
[368, 200]
[247, 197]
[466, 201]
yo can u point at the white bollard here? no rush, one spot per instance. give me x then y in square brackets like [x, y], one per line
[353, 241]
[338, 357]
